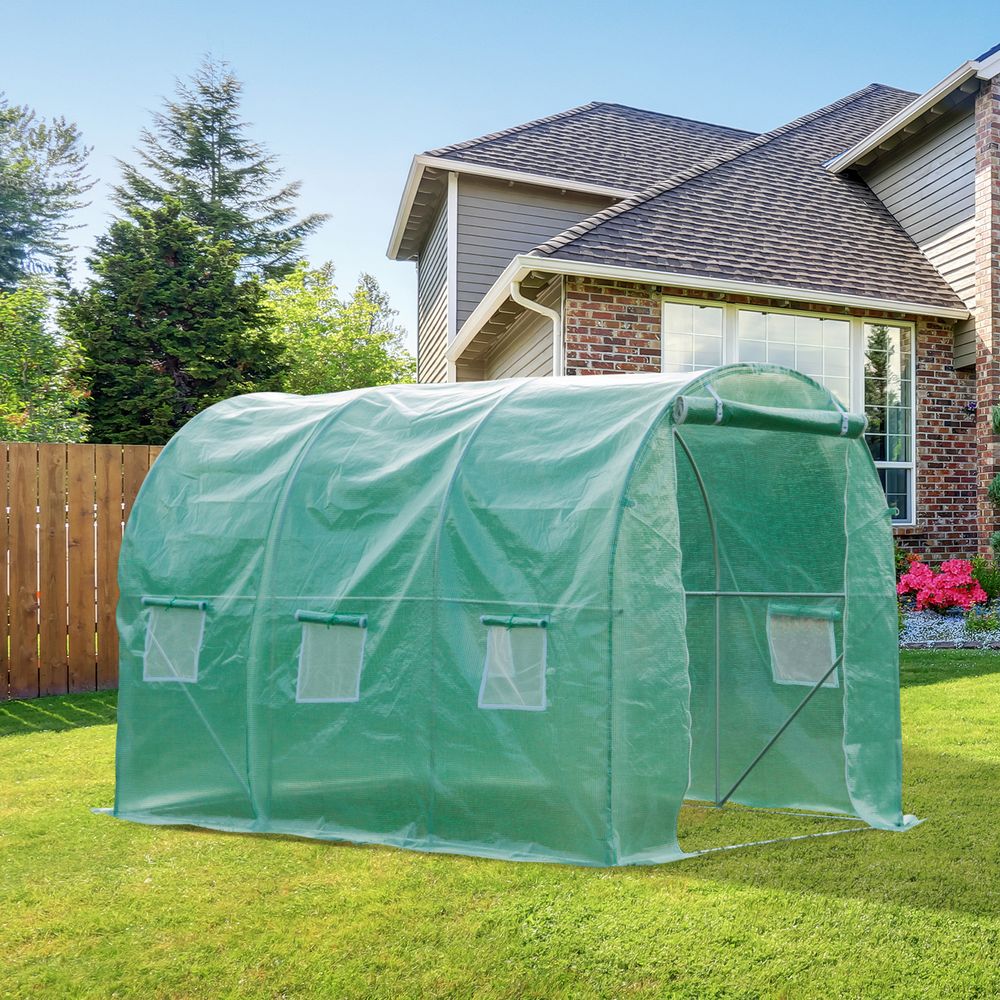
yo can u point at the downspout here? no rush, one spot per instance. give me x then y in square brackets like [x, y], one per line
[558, 368]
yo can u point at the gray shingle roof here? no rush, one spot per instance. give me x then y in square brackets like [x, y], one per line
[768, 212]
[600, 143]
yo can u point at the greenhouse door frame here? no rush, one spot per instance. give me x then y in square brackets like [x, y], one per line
[718, 594]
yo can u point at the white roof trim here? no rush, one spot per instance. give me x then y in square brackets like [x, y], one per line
[422, 162]
[524, 264]
[968, 70]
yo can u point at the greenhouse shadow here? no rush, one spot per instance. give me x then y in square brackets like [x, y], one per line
[920, 667]
[945, 864]
[58, 714]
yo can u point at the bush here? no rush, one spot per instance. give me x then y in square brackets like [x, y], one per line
[993, 491]
[952, 587]
[904, 558]
[995, 419]
[995, 545]
[982, 620]
[987, 572]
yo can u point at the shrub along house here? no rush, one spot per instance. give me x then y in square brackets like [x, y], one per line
[859, 244]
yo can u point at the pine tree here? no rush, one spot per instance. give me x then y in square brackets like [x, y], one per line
[42, 180]
[198, 152]
[168, 325]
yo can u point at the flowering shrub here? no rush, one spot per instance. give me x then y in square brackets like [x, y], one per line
[953, 587]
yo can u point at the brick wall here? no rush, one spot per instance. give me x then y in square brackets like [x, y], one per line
[987, 291]
[614, 326]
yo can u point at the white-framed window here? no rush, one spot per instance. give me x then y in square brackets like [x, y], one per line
[803, 645]
[888, 401]
[692, 336]
[175, 629]
[867, 364]
[514, 669]
[331, 657]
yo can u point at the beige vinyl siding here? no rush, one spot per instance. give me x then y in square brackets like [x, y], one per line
[432, 302]
[496, 221]
[526, 347]
[965, 344]
[929, 186]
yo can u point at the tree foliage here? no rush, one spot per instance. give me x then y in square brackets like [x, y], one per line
[39, 400]
[199, 153]
[332, 344]
[42, 180]
[168, 325]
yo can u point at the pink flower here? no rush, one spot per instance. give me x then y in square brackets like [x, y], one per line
[952, 587]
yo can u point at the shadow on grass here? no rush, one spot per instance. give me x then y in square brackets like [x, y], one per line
[53, 715]
[945, 864]
[918, 667]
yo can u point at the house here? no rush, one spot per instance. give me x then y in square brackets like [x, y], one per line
[859, 244]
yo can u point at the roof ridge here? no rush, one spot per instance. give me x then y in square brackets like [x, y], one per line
[698, 169]
[676, 118]
[513, 130]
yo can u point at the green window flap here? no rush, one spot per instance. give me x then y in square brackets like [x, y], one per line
[329, 618]
[514, 621]
[174, 602]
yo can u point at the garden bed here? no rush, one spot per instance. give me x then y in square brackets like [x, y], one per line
[948, 630]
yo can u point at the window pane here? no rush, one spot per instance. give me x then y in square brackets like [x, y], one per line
[677, 317]
[816, 347]
[692, 337]
[751, 325]
[897, 484]
[889, 408]
[803, 648]
[808, 330]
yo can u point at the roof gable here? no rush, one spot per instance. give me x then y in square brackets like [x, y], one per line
[599, 143]
[766, 211]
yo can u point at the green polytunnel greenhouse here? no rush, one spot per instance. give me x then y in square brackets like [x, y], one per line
[524, 619]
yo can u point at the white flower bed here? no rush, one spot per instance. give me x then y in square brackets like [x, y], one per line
[932, 629]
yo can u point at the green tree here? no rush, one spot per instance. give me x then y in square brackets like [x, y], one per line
[39, 400]
[168, 326]
[42, 179]
[198, 152]
[332, 343]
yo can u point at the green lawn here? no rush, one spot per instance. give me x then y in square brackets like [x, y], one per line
[92, 907]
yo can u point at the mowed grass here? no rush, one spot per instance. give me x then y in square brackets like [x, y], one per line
[93, 907]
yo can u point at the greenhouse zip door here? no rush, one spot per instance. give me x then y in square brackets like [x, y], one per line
[765, 563]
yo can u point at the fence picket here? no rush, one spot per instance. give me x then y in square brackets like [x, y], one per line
[23, 472]
[109, 542]
[82, 594]
[53, 676]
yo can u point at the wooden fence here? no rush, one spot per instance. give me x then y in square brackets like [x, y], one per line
[66, 506]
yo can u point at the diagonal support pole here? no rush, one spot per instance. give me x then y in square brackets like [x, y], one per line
[774, 739]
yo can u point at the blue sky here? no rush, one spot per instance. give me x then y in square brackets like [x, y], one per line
[345, 93]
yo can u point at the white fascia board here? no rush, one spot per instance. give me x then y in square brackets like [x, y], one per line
[524, 264]
[901, 119]
[422, 162]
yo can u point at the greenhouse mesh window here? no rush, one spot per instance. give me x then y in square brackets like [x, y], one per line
[803, 646]
[173, 643]
[331, 658]
[514, 671]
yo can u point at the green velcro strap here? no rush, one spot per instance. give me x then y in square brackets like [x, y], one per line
[174, 602]
[707, 411]
[804, 611]
[514, 621]
[329, 618]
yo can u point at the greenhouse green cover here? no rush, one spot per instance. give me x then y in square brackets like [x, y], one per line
[523, 619]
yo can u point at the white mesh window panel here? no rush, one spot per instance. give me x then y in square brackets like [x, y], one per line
[331, 658]
[173, 643]
[514, 671]
[803, 648]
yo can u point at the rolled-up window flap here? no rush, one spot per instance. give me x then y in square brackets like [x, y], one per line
[828, 423]
[329, 618]
[514, 621]
[174, 602]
